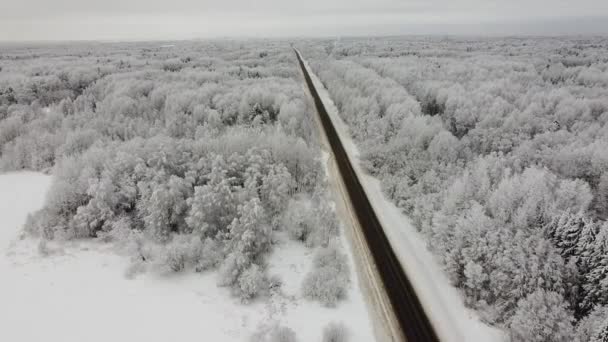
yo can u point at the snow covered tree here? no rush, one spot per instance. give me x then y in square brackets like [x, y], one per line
[282, 334]
[248, 238]
[298, 218]
[601, 197]
[214, 205]
[602, 334]
[476, 280]
[165, 210]
[335, 332]
[251, 282]
[249, 234]
[185, 163]
[325, 223]
[184, 250]
[542, 317]
[10, 128]
[328, 279]
[211, 255]
[566, 231]
[274, 191]
[595, 284]
[274, 333]
[589, 325]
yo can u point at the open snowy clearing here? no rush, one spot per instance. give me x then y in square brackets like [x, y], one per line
[80, 293]
[453, 321]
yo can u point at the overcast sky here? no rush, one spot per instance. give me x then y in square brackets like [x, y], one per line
[185, 19]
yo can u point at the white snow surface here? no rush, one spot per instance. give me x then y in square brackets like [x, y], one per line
[80, 293]
[443, 303]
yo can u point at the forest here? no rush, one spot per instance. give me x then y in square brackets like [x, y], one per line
[188, 157]
[497, 150]
[196, 156]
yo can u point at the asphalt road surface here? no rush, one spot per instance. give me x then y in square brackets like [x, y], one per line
[407, 307]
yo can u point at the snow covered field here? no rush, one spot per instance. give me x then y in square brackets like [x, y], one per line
[451, 318]
[79, 292]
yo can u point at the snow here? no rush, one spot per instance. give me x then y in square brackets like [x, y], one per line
[292, 260]
[444, 305]
[79, 291]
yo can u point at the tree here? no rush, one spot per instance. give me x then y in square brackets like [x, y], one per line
[602, 334]
[251, 282]
[214, 205]
[601, 197]
[542, 317]
[274, 191]
[298, 218]
[335, 332]
[249, 234]
[328, 279]
[248, 237]
[10, 128]
[589, 325]
[566, 231]
[164, 211]
[282, 334]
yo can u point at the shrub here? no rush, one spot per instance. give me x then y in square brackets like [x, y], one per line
[43, 248]
[173, 65]
[274, 333]
[326, 224]
[311, 220]
[335, 332]
[328, 280]
[251, 282]
[282, 334]
[210, 255]
[135, 267]
[297, 219]
[183, 250]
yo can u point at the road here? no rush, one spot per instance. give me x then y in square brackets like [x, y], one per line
[406, 305]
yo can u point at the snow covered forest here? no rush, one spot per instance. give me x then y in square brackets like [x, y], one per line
[189, 157]
[498, 150]
[203, 157]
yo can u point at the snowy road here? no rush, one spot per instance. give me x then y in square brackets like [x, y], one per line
[408, 309]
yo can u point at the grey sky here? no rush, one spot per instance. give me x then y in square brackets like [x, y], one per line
[183, 19]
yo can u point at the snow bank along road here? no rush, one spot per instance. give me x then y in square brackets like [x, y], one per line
[408, 309]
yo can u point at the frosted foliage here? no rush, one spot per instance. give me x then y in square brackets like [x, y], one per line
[212, 208]
[251, 282]
[250, 234]
[541, 317]
[249, 238]
[589, 326]
[601, 335]
[298, 219]
[335, 332]
[275, 333]
[328, 280]
[188, 159]
[311, 220]
[496, 149]
[282, 334]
